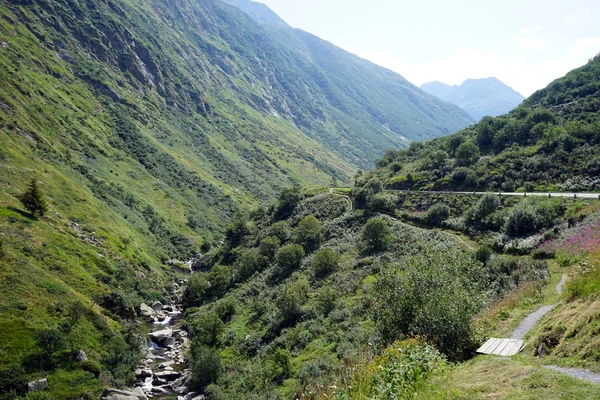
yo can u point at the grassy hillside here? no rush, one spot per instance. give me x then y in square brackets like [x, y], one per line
[549, 143]
[147, 125]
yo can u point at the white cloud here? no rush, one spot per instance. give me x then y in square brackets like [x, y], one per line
[528, 38]
[586, 46]
[572, 19]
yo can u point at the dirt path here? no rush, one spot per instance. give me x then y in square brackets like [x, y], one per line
[332, 191]
[532, 319]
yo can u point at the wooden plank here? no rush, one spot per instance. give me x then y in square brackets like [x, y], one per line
[503, 344]
[508, 349]
[516, 347]
[489, 345]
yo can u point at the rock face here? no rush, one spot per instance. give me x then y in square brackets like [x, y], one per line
[116, 394]
[37, 386]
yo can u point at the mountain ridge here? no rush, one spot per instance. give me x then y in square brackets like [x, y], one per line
[479, 97]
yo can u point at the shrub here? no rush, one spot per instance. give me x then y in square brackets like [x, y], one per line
[269, 246]
[435, 296]
[196, 290]
[483, 254]
[481, 214]
[49, 341]
[325, 262]
[437, 214]
[226, 308]
[2, 252]
[467, 154]
[376, 235]
[33, 199]
[288, 201]
[207, 328]
[289, 258]
[327, 300]
[290, 300]
[237, 231]
[12, 380]
[206, 366]
[402, 366]
[249, 262]
[521, 220]
[309, 233]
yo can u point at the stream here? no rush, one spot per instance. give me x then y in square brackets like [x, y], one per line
[164, 373]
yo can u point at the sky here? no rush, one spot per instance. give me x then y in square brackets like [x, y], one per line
[524, 43]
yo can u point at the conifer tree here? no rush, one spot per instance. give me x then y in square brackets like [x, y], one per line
[33, 200]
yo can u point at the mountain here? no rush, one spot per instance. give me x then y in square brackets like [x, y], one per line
[147, 125]
[478, 97]
[550, 142]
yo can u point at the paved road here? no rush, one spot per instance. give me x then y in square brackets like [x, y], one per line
[595, 196]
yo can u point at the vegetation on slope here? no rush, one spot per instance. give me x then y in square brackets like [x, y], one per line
[549, 143]
[305, 290]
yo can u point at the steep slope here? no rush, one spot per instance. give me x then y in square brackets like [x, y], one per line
[478, 97]
[551, 142]
[146, 124]
[392, 107]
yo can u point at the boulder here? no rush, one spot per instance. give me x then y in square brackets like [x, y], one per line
[116, 394]
[146, 311]
[157, 306]
[143, 373]
[37, 386]
[168, 375]
[81, 356]
[165, 364]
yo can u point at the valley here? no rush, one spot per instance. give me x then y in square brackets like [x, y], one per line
[199, 201]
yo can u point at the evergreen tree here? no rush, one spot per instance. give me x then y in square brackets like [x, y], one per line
[33, 200]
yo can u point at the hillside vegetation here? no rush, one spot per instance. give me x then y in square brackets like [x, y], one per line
[549, 143]
[146, 125]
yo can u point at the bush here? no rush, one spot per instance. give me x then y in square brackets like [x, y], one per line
[49, 341]
[480, 215]
[269, 246]
[483, 254]
[207, 328]
[288, 201]
[435, 296]
[437, 214]
[196, 290]
[249, 262]
[206, 366]
[376, 235]
[467, 154]
[325, 262]
[226, 308]
[290, 300]
[402, 366]
[12, 380]
[327, 300]
[308, 233]
[2, 252]
[289, 258]
[521, 220]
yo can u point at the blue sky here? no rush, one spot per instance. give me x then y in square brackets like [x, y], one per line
[524, 43]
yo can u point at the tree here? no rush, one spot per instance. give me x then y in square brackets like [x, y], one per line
[325, 262]
[289, 258]
[49, 341]
[33, 200]
[308, 233]
[2, 252]
[376, 235]
[207, 328]
[467, 154]
[268, 247]
[288, 201]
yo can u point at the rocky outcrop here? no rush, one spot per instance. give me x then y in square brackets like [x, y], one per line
[37, 386]
[116, 394]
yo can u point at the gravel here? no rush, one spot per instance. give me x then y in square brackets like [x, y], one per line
[529, 322]
[583, 374]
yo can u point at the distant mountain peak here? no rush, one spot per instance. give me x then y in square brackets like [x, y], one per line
[478, 97]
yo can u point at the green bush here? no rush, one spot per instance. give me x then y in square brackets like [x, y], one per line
[401, 367]
[309, 233]
[325, 262]
[437, 214]
[433, 295]
[206, 366]
[467, 154]
[206, 329]
[196, 291]
[249, 262]
[226, 308]
[12, 381]
[268, 247]
[290, 300]
[376, 235]
[49, 341]
[327, 300]
[289, 258]
[480, 215]
[288, 201]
